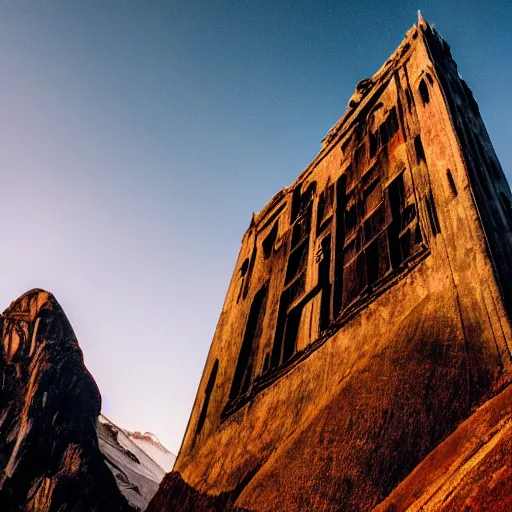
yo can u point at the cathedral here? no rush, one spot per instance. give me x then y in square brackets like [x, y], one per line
[368, 315]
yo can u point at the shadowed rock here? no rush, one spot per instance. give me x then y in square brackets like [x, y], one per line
[49, 405]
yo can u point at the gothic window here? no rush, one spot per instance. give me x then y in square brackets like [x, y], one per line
[244, 368]
[384, 133]
[243, 278]
[247, 274]
[423, 89]
[268, 243]
[324, 282]
[365, 257]
[325, 208]
[404, 233]
[380, 231]
[290, 307]
[340, 212]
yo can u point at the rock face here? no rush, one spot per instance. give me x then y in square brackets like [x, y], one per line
[49, 404]
[138, 461]
[368, 317]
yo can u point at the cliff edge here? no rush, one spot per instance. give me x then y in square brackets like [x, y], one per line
[49, 404]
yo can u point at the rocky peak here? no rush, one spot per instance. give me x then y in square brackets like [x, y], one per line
[49, 403]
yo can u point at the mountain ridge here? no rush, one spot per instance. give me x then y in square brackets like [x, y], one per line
[137, 462]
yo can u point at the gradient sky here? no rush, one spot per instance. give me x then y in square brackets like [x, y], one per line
[137, 138]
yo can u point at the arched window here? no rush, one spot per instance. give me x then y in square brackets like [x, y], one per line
[253, 330]
[423, 88]
[451, 182]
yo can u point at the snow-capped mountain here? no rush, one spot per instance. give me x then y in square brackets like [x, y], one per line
[138, 461]
[149, 443]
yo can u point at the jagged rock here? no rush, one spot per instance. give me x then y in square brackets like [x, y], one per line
[49, 404]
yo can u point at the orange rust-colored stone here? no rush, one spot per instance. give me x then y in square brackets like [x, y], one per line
[368, 314]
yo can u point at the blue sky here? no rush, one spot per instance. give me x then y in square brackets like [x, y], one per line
[137, 138]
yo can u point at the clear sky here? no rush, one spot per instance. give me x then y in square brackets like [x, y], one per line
[137, 138]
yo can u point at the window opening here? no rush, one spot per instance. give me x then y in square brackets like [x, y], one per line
[360, 155]
[243, 272]
[207, 396]
[297, 261]
[418, 147]
[270, 239]
[325, 208]
[252, 335]
[324, 281]
[381, 232]
[376, 230]
[432, 214]
[291, 331]
[341, 205]
[248, 275]
[408, 98]
[290, 313]
[451, 182]
[288, 321]
[384, 134]
[423, 89]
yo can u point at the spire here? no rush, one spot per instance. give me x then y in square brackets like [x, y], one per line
[421, 20]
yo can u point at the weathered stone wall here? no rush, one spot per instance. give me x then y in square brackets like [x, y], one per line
[470, 470]
[366, 314]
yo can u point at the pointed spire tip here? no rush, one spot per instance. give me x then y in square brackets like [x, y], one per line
[421, 19]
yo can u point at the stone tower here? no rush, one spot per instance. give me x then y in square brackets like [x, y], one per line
[369, 311]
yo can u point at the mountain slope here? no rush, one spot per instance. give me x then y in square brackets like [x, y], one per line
[149, 443]
[136, 461]
[49, 455]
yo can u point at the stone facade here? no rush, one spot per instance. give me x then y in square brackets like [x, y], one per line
[368, 313]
